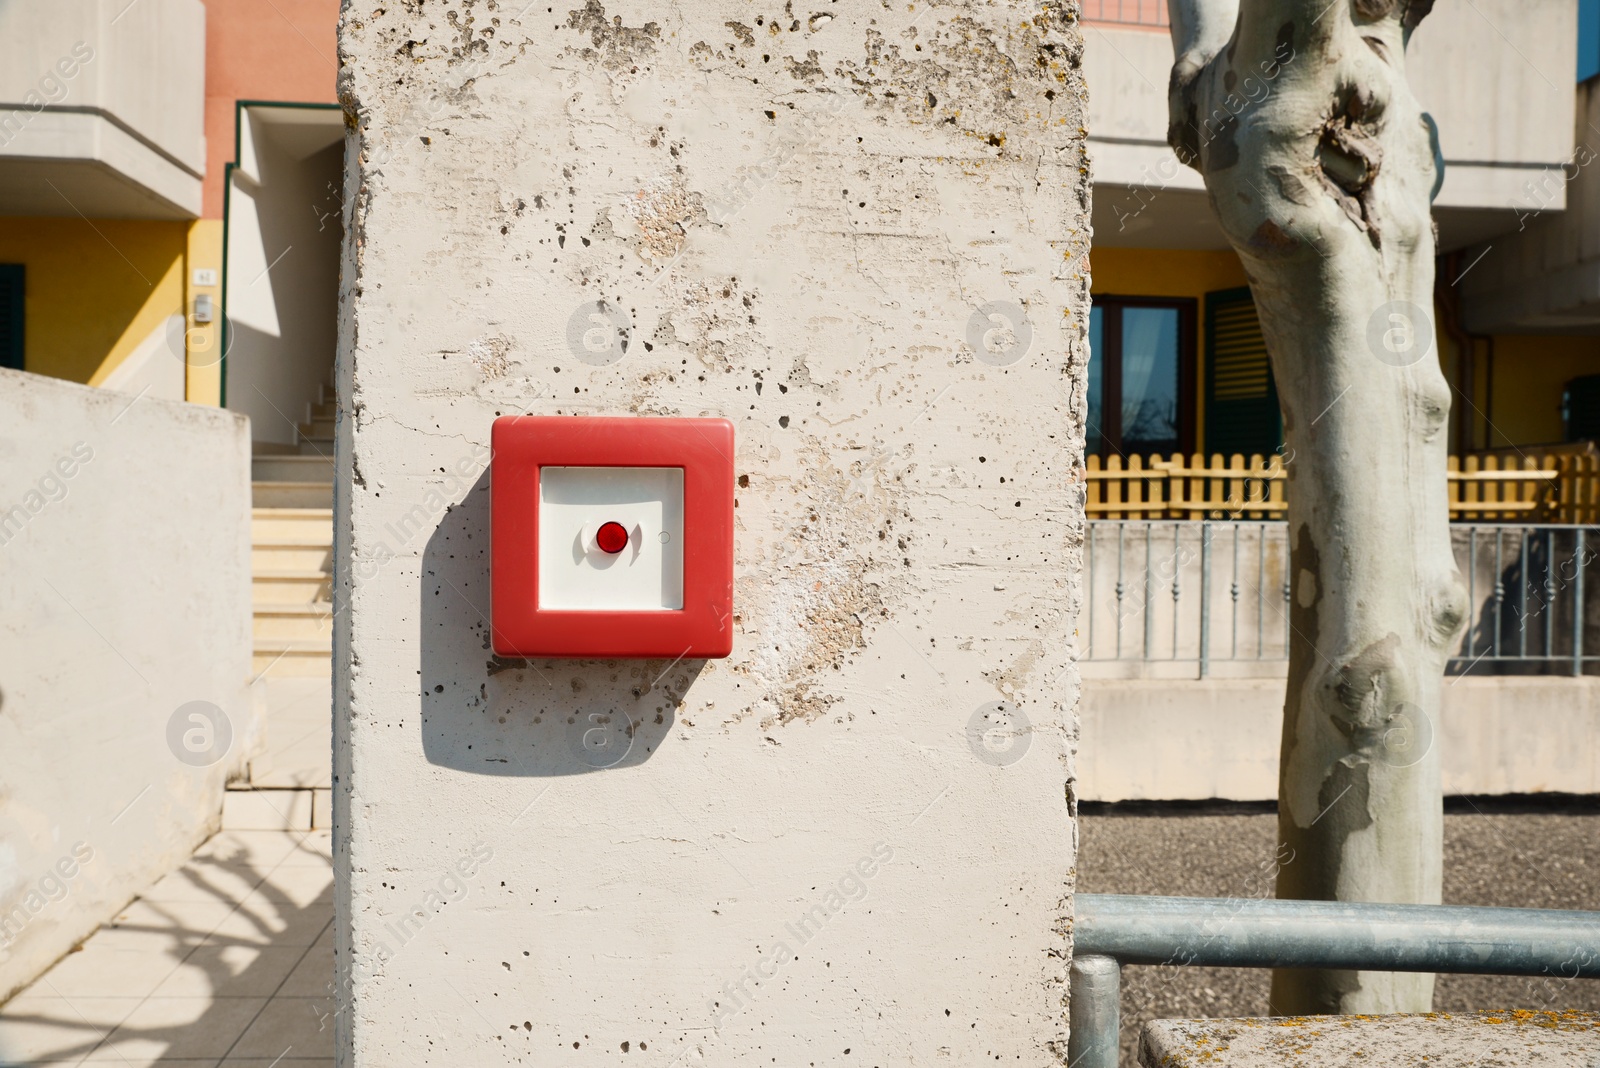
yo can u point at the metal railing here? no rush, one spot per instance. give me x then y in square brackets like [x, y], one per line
[1171, 598]
[1110, 930]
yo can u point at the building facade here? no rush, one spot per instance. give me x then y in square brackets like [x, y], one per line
[179, 232]
[155, 159]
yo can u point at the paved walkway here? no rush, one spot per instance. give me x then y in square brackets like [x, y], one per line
[227, 961]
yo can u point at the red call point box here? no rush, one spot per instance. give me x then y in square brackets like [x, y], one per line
[611, 538]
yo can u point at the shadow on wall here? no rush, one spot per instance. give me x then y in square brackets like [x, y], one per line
[283, 271]
[492, 716]
[1526, 586]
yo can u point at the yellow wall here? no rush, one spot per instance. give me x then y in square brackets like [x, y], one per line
[1145, 272]
[1529, 373]
[1152, 272]
[204, 381]
[95, 290]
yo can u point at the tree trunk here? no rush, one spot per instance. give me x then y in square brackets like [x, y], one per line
[1320, 167]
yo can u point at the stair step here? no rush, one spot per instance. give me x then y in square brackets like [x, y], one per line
[319, 429]
[292, 468]
[308, 525]
[292, 494]
[292, 588]
[324, 410]
[290, 554]
[278, 623]
[292, 659]
[316, 447]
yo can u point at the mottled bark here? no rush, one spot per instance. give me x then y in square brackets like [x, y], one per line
[1319, 165]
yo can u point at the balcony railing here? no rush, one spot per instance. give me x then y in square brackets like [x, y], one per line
[1127, 12]
[1549, 487]
[1176, 599]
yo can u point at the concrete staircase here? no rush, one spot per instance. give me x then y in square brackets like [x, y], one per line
[292, 571]
[292, 552]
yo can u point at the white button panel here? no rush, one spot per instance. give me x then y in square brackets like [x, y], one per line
[575, 573]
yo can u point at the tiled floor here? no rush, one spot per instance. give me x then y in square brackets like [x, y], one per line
[227, 961]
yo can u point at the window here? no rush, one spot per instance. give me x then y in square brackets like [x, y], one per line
[11, 292]
[1588, 39]
[1241, 396]
[1141, 370]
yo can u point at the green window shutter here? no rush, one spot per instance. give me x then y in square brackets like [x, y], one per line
[11, 291]
[1241, 397]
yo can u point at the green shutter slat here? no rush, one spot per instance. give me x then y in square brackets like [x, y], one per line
[1241, 398]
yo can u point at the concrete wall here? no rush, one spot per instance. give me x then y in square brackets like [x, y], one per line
[1546, 276]
[104, 99]
[803, 218]
[124, 600]
[1218, 738]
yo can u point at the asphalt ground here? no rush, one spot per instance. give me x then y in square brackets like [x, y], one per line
[1509, 853]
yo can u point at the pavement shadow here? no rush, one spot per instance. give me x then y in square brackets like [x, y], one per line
[229, 935]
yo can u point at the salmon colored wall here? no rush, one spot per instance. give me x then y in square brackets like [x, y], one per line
[284, 51]
[1148, 272]
[94, 290]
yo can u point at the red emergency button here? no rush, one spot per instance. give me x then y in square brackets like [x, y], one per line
[612, 538]
[573, 499]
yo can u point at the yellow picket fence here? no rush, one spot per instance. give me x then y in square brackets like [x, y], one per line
[1550, 486]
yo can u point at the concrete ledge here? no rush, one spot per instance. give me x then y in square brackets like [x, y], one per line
[1145, 739]
[1434, 1040]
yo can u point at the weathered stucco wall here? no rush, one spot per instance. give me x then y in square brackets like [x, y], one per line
[859, 234]
[124, 613]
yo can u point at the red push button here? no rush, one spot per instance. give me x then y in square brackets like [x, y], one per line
[570, 499]
[612, 538]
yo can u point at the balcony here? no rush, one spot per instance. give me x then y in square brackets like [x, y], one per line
[1187, 562]
[1505, 120]
[102, 108]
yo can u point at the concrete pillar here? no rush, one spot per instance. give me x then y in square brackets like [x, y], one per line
[859, 232]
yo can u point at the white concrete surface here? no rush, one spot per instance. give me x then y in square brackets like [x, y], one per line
[102, 108]
[1546, 276]
[124, 597]
[803, 850]
[296, 717]
[227, 961]
[1145, 739]
[149, 370]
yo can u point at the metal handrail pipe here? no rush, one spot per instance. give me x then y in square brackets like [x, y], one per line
[1269, 933]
